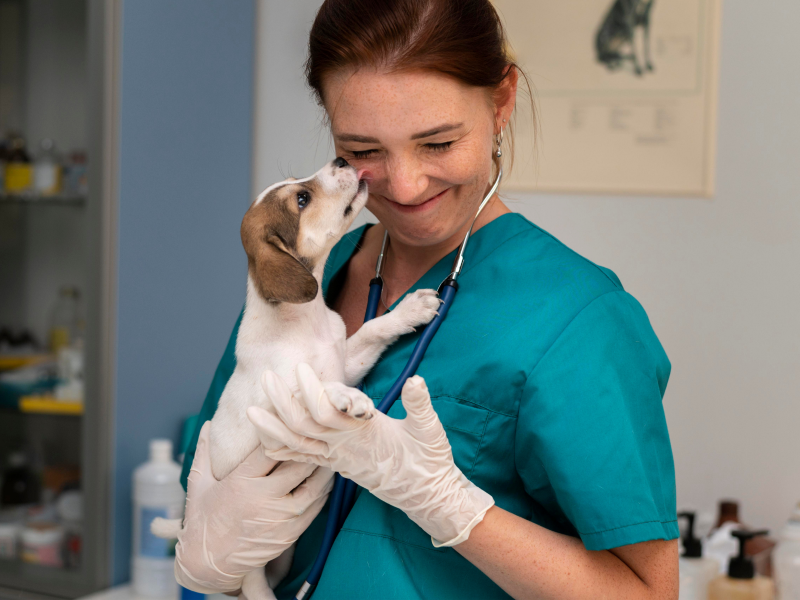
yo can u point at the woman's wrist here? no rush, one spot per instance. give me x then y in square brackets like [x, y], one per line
[476, 502]
[457, 512]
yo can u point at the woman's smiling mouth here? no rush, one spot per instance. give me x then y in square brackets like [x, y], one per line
[416, 208]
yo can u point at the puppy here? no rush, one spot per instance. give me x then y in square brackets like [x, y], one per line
[287, 234]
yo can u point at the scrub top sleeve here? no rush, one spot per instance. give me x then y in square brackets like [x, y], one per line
[221, 376]
[592, 440]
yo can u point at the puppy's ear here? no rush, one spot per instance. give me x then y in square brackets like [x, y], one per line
[277, 275]
[280, 277]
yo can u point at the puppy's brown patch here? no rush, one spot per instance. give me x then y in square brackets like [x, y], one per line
[269, 236]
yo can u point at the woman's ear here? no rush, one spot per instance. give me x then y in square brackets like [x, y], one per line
[505, 96]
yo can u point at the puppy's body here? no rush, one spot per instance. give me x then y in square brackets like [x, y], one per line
[275, 337]
[287, 234]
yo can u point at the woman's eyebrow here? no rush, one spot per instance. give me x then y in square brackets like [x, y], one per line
[435, 130]
[352, 137]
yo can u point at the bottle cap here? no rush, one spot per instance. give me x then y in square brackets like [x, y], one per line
[741, 567]
[728, 511]
[692, 547]
[161, 450]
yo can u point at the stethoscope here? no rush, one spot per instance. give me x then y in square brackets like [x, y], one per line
[344, 490]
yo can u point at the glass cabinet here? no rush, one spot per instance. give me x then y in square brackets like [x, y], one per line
[56, 246]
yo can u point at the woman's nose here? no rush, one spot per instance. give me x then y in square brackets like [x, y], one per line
[406, 181]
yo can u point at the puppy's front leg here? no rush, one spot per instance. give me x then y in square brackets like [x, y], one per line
[366, 345]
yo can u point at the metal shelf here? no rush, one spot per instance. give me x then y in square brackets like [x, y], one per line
[30, 198]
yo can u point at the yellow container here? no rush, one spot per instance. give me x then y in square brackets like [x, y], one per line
[59, 338]
[19, 177]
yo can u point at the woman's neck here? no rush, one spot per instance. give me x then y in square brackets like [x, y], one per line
[406, 263]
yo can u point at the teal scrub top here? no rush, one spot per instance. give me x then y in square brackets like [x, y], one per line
[548, 379]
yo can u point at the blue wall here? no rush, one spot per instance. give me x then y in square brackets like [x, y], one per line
[185, 177]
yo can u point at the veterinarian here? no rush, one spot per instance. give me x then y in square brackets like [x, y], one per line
[546, 376]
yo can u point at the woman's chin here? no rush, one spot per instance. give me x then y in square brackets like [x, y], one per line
[420, 233]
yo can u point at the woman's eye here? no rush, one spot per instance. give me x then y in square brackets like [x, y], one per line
[362, 153]
[440, 147]
[367, 153]
[302, 199]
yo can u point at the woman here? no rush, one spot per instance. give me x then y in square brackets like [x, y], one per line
[546, 374]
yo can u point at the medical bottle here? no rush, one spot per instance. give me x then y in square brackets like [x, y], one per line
[157, 492]
[741, 582]
[787, 559]
[696, 572]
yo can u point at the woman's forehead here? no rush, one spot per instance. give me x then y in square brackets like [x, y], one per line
[370, 102]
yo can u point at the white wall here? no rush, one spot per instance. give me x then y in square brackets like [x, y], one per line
[290, 138]
[719, 278]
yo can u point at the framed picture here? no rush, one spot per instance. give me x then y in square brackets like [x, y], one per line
[626, 94]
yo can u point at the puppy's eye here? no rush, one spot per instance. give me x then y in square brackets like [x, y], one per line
[302, 199]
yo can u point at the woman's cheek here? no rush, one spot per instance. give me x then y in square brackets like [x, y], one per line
[463, 163]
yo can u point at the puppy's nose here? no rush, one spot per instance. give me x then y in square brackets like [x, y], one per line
[340, 162]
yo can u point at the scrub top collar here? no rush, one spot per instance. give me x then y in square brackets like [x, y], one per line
[482, 243]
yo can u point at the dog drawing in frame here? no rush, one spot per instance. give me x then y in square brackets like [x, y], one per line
[615, 42]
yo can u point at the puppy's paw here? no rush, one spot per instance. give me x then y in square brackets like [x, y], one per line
[418, 308]
[349, 400]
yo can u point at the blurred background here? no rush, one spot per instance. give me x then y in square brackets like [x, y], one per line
[133, 136]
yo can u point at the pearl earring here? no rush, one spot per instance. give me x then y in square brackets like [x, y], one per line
[499, 140]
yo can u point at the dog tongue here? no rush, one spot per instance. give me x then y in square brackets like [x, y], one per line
[364, 174]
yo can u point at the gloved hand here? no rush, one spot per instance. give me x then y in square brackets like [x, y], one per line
[407, 463]
[250, 517]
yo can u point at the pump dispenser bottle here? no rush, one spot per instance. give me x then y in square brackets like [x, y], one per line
[696, 572]
[157, 492]
[741, 583]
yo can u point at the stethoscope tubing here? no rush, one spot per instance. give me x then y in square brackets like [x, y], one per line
[446, 296]
[344, 490]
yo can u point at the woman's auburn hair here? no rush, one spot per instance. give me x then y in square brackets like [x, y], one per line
[464, 39]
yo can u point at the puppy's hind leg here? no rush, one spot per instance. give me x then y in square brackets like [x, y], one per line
[255, 586]
[166, 529]
[278, 567]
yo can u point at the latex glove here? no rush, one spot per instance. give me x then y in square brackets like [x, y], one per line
[250, 517]
[407, 463]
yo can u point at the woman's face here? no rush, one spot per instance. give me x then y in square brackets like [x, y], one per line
[426, 140]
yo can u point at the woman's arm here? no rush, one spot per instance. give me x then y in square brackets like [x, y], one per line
[529, 561]
[408, 463]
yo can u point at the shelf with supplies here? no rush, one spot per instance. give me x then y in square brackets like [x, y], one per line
[56, 317]
[30, 198]
[41, 390]
[50, 405]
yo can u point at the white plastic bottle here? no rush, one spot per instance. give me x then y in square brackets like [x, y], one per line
[157, 492]
[787, 559]
[696, 571]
